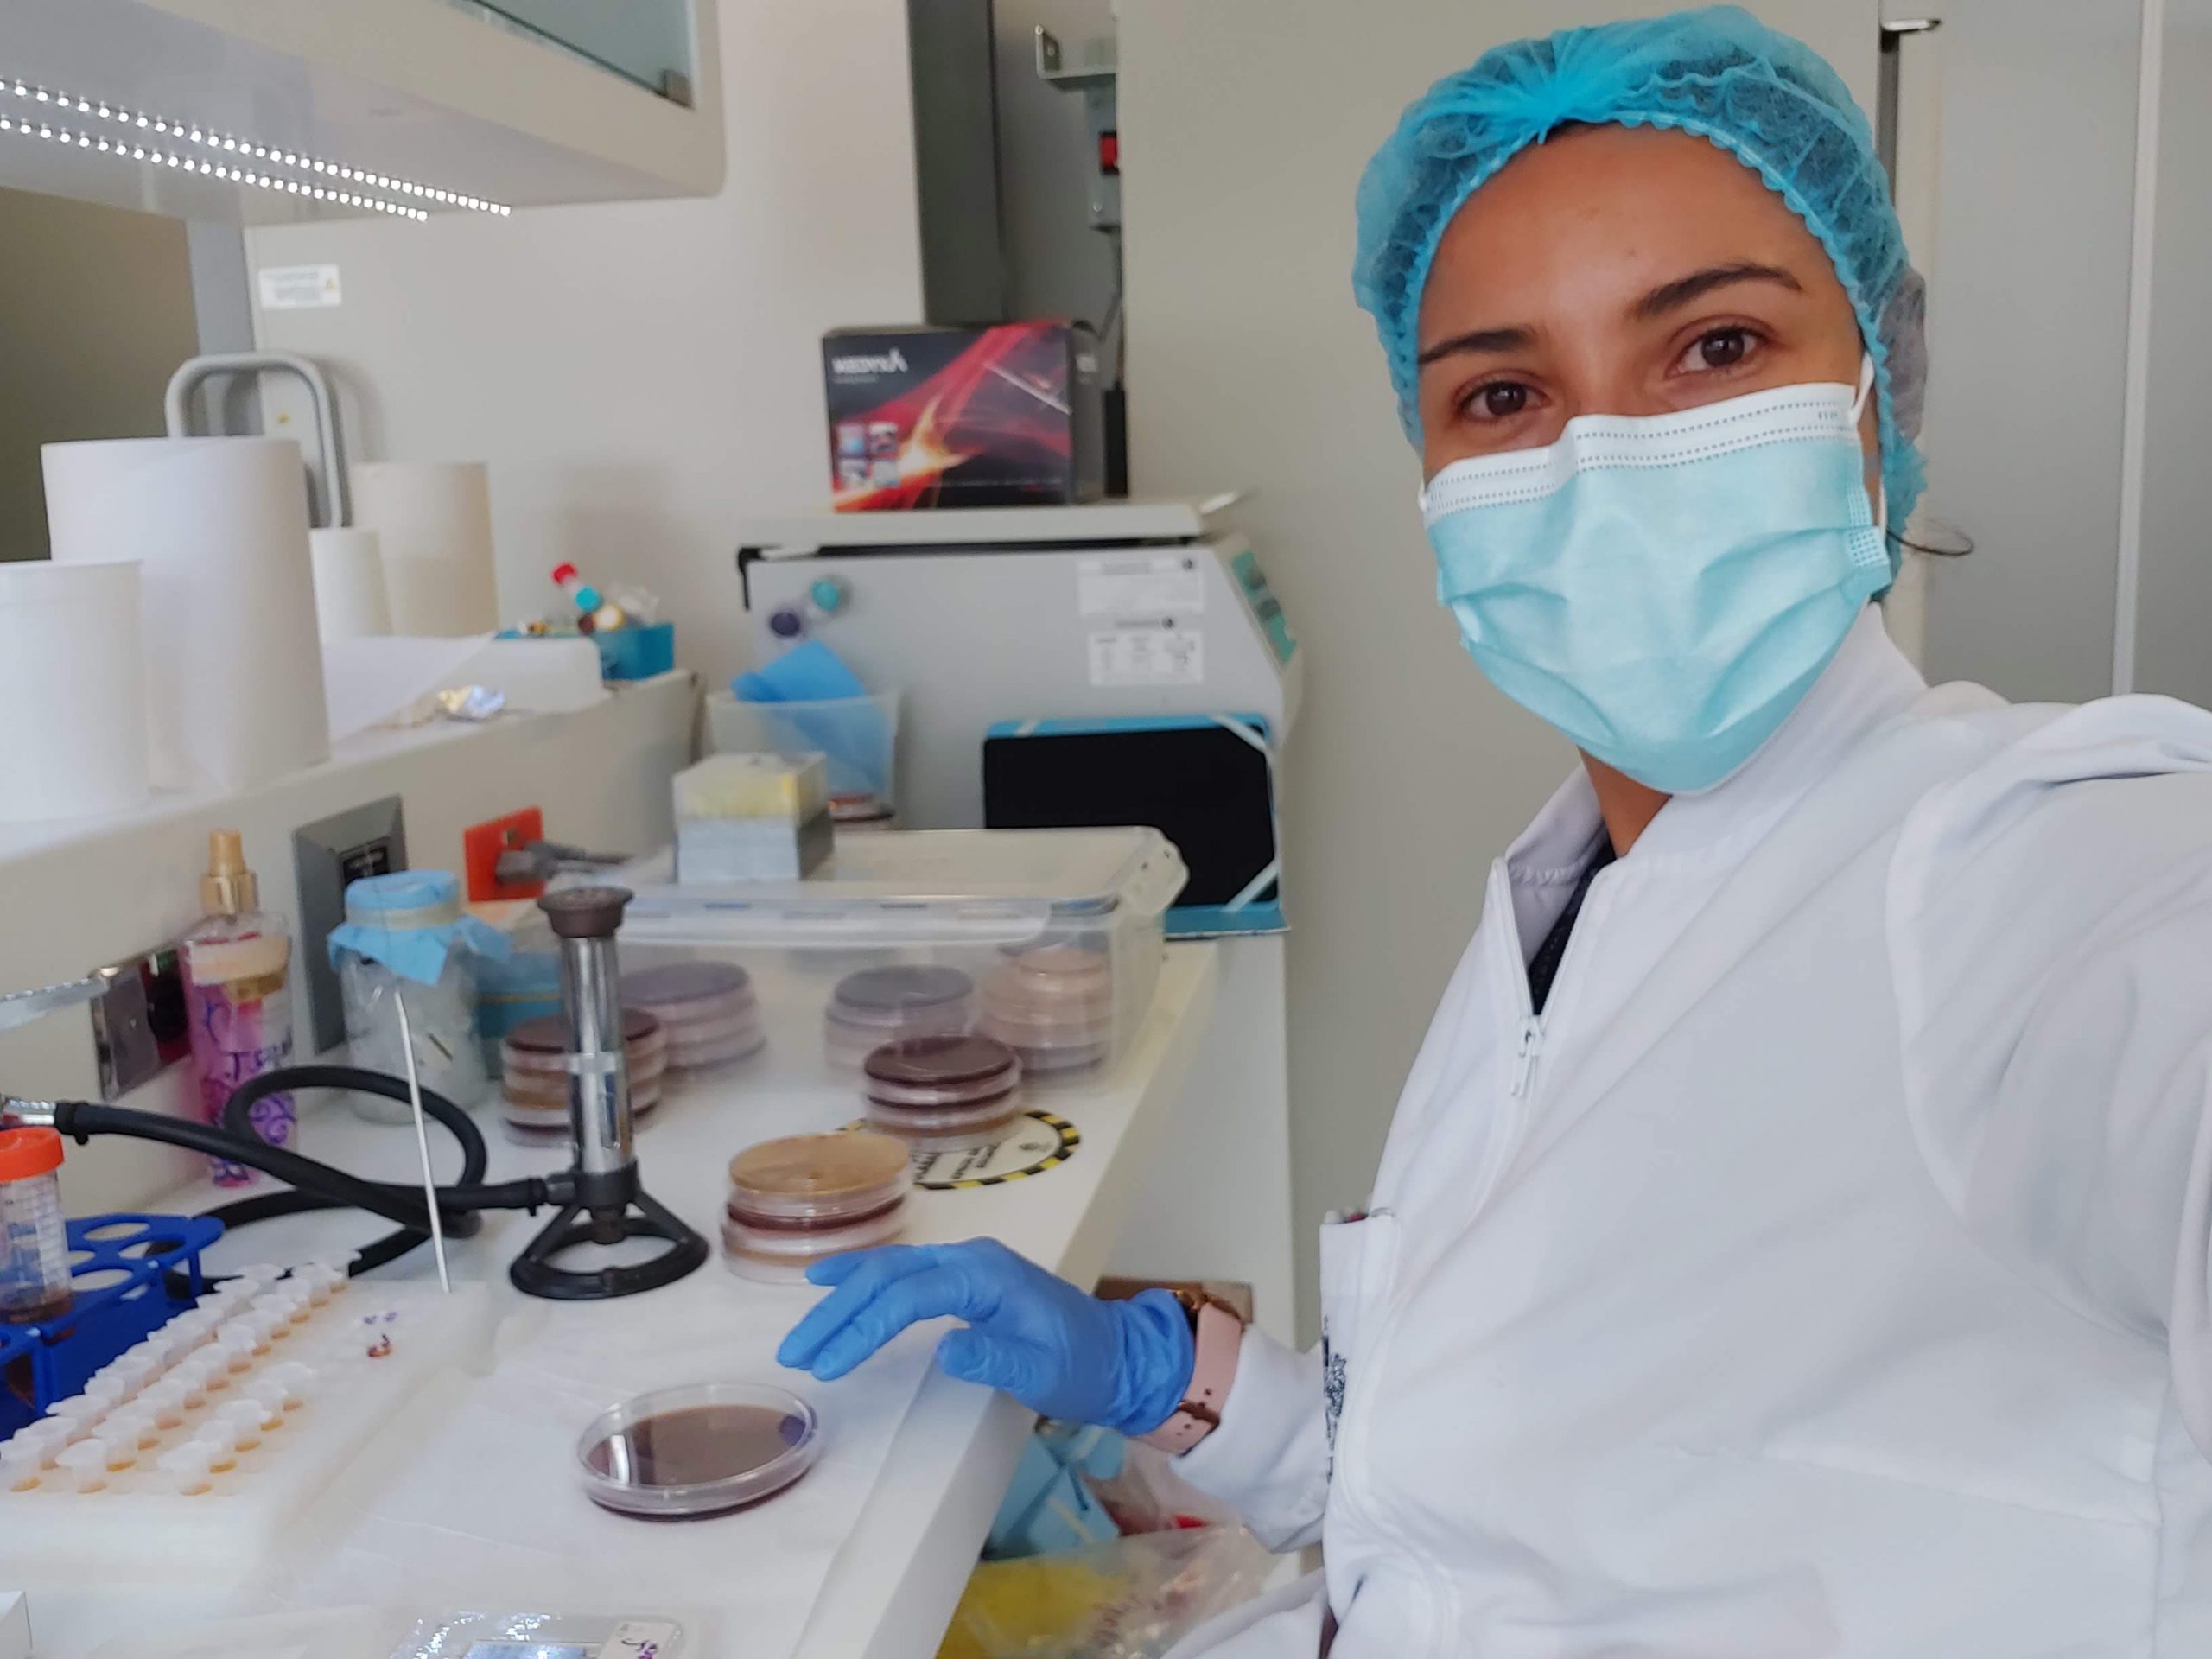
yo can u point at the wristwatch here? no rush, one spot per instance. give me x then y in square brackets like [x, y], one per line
[1216, 1335]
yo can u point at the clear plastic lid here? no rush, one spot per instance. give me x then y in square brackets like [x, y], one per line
[702, 1449]
[1006, 887]
[817, 1177]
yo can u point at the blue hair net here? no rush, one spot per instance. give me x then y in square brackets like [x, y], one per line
[1768, 99]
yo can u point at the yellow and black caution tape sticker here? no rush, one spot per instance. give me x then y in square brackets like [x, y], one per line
[1033, 1143]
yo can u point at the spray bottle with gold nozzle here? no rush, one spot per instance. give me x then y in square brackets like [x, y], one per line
[238, 995]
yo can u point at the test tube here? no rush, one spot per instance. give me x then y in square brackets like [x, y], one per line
[260, 1275]
[20, 1465]
[136, 1370]
[242, 1419]
[134, 1430]
[167, 1400]
[193, 1377]
[43, 1439]
[83, 1466]
[107, 1391]
[191, 1466]
[238, 1345]
[290, 1382]
[78, 1414]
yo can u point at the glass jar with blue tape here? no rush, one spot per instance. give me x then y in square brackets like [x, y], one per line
[405, 938]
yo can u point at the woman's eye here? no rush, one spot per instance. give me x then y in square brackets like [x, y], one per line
[1501, 400]
[1723, 348]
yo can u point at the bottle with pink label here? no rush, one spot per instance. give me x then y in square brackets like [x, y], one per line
[238, 996]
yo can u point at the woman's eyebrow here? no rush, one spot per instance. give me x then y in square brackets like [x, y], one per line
[1672, 297]
[1478, 340]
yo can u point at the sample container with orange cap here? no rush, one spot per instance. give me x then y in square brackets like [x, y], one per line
[34, 1240]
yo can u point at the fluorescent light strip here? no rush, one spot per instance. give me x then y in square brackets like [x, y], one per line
[128, 149]
[179, 132]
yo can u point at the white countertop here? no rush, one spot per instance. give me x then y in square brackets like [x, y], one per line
[891, 1587]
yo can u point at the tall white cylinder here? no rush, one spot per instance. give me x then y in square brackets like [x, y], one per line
[435, 521]
[350, 602]
[74, 743]
[219, 528]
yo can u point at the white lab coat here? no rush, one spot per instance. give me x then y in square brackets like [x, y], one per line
[1825, 1273]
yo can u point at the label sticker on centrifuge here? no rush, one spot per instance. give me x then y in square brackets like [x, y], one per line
[1140, 585]
[1037, 1141]
[298, 288]
[1161, 654]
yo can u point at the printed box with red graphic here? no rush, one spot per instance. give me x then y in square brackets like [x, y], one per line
[1002, 415]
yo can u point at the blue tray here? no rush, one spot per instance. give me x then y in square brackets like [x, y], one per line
[118, 1263]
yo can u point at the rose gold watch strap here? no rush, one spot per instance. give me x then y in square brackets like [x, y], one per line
[1218, 1336]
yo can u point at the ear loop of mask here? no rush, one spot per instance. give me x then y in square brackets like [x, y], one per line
[1858, 409]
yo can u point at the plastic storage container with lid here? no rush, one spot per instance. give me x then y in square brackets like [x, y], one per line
[34, 1239]
[404, 937]
[534, 1072]
[980, 901]
[796, 1200]
[944, 1093]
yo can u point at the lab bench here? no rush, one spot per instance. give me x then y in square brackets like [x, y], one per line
[889, 1587]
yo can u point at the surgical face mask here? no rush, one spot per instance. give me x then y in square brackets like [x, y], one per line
[1665, 589]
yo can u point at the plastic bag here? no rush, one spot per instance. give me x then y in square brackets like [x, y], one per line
[1147, 1495]
[1133, 1599]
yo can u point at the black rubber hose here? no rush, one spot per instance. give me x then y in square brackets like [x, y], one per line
[321, 1185]
[475, 1156]
[237, 1122]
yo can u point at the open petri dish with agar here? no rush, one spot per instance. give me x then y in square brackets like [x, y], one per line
[703, 1449]
[944, 1093]
[881, 1005]
[708, 1009]
[796, 1200]
[534, 1072]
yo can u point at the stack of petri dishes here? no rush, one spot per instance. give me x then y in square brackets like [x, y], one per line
[534, 1072]
[1054, 1006]
[945, 1092]
[707, 1009]
[881, 1005]
[804, 1197]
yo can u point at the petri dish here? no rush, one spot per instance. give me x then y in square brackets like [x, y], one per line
[703, 1449]
[805, 1196]
[816, 1178]
[875, 1004]
[944, 1092]
[896, 995]
[950, 1066]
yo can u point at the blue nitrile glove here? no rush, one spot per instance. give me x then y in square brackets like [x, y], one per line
[1123, 1365]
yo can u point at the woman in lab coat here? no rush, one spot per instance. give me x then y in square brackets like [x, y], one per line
[1794, 1237]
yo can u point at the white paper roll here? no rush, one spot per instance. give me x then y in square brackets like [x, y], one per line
[219, 528]
[349, 593]
[435, 520]
[74, 742]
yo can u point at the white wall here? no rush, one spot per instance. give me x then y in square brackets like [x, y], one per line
[1244, 124]
[2174, 618]
[641, 376]
[2027, 327]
